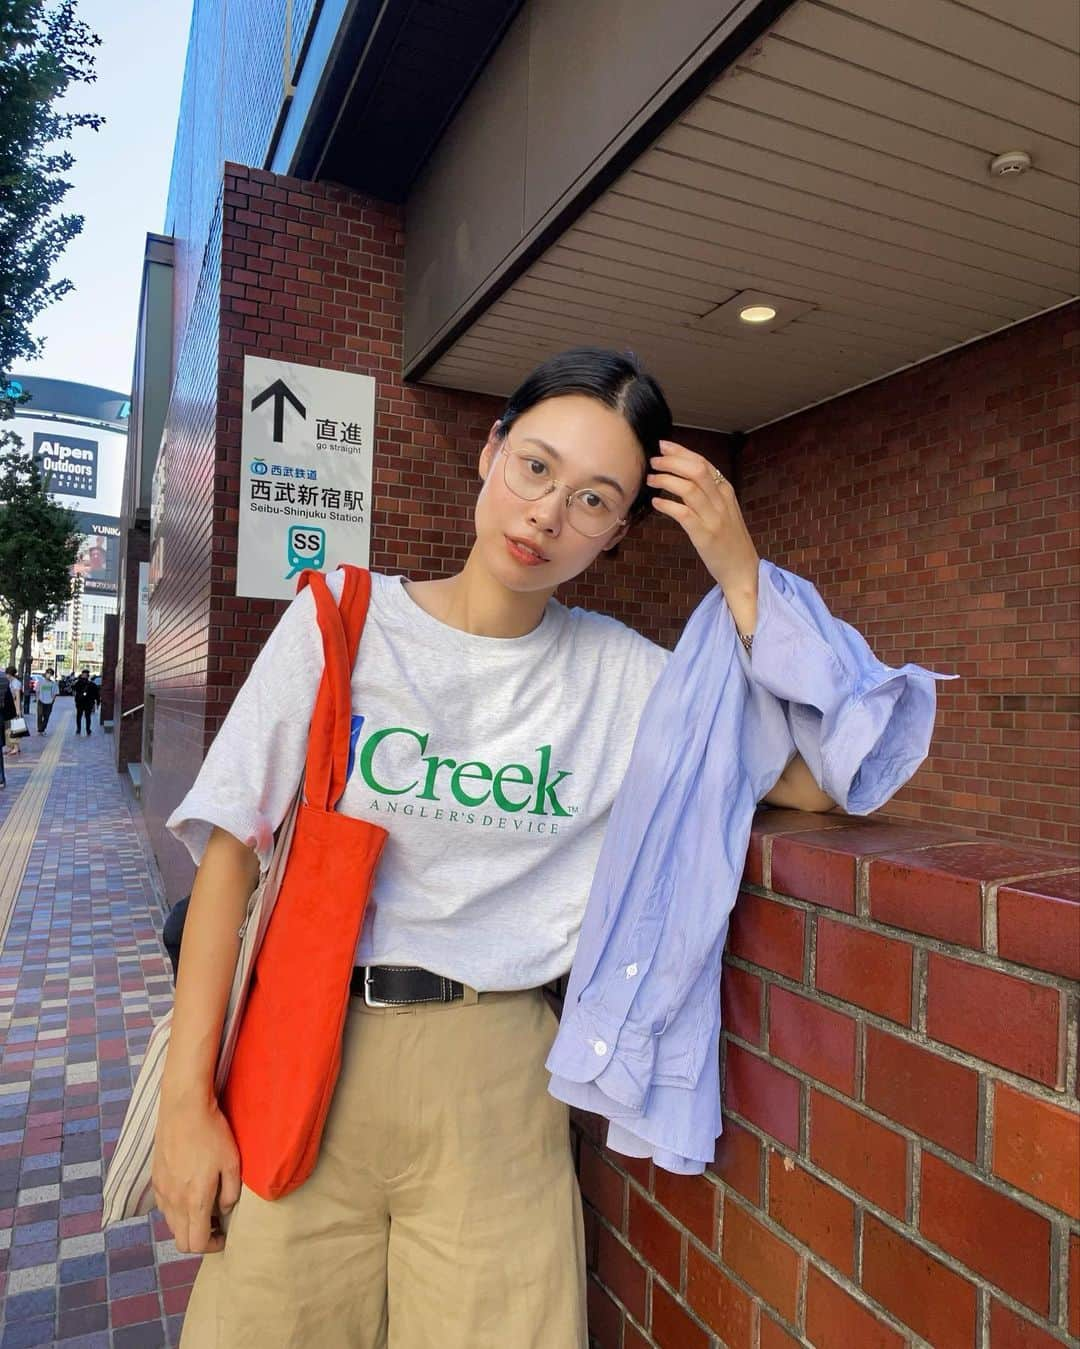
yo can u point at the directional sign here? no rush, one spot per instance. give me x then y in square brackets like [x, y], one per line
[307, 440]
[280, 392]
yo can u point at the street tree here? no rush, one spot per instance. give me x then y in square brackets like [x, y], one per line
[39, 542]
[44, 49]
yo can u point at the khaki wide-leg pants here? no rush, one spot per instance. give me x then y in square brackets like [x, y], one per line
[443, 1213]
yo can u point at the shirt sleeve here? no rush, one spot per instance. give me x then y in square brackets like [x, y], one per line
[861, 726]
[253, 768]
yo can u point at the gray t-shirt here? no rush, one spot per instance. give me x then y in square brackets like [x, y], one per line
[492, 762]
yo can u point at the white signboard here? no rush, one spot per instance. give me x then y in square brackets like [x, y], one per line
[69, 463]
[85, 462]
[307, 440]
[142, 622]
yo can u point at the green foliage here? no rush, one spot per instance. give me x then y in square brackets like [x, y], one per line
[43, 50]
[38, 545]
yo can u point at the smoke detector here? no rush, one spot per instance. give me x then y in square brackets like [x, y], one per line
[1010, 163]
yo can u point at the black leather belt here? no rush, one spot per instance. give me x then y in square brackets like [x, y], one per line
[398, 985]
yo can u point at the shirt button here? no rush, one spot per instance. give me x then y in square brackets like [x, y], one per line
[631, 970]
[600, 1046]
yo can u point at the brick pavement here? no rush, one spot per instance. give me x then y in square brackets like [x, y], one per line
[82, 978]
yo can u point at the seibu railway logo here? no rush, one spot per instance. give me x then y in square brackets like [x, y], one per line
[393, 762]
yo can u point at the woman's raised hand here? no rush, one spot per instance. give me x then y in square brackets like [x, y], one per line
[709, 513]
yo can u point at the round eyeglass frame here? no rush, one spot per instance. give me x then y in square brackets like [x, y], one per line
[506, 450]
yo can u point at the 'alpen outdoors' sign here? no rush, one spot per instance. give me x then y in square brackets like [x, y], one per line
[307, 440]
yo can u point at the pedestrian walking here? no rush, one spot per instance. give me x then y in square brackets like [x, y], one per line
[492, 728]
[48, 690]
[7, 714]
[86, 697]
[14, 683]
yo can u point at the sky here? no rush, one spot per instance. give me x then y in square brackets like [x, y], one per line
[119, 183]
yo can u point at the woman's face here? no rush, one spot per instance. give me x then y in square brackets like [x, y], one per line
[583, 444]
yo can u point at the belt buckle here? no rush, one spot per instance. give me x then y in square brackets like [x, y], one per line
[369, 1001]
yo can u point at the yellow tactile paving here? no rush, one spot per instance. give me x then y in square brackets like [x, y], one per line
[18, 830]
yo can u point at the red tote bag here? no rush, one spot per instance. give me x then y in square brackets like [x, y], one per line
[288, 1051]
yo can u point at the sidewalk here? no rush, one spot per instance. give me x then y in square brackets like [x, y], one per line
[83, 976]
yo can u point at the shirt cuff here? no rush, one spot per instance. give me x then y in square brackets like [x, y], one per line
[618, 1060]
[879, 740]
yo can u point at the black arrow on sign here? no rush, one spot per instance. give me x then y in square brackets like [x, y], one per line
[279, 391]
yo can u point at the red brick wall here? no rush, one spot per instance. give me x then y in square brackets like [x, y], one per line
[901, 1153]
[313, 273]
[821, 1009]
[937, 511]
[110, 648]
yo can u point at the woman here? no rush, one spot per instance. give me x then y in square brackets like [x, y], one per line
[491, 730]
[13, 709]
[8, 711]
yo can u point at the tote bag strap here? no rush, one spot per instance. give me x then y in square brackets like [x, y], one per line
[341, 626]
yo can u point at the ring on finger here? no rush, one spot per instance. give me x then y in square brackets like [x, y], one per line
[718, 477]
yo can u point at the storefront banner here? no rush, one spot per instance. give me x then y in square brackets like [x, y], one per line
[307, 442]
[84, 463]
[98, 559]
[69, 463]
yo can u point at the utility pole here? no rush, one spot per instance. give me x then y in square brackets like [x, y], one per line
[76, 613]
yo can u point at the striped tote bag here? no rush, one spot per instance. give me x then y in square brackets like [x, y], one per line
[127, 1191]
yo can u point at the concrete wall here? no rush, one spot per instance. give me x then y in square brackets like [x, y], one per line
[939, 512]
[130, 676]
[151, 387]
[151, 380]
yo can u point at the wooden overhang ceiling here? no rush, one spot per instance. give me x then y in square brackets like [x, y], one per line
[841, 169]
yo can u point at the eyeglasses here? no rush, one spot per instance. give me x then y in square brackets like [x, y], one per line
[530, 477]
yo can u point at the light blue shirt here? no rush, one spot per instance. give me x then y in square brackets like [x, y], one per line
[639, 1038]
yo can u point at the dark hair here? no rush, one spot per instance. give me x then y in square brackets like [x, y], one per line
[10, 670]
[614, 378]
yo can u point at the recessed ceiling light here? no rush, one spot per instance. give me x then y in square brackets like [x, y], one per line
[748, 314]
